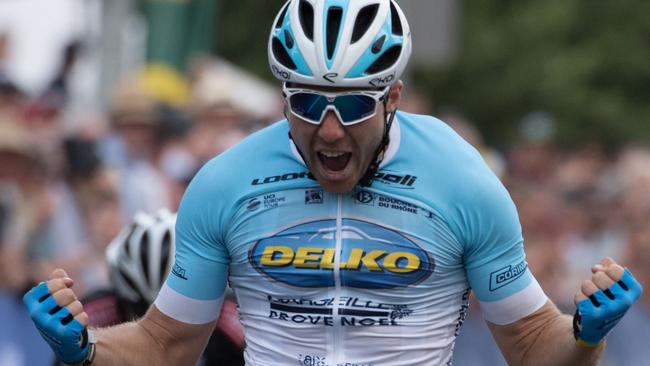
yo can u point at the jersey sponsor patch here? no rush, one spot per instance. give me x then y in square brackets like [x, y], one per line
[314, 196]
[179, 271]
[253, 204]
[350, 311]
[365, 197]
[371, 256]
[507, 274]
[398, 180]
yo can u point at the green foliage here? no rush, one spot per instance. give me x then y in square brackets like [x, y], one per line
[587, 63]
[178, 29]
[243, 30]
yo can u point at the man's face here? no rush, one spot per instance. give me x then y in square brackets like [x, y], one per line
[337, 155]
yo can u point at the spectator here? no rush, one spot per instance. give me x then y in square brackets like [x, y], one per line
[133, 148]
[85, 214]
[20, 203]
[628, 344]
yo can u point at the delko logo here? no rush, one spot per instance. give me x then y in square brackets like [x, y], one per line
[371, 257]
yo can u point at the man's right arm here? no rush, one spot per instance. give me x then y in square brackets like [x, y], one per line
[177, 327]
[156, 339]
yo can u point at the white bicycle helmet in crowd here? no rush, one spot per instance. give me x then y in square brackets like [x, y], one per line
[341, 43]
[141, 256]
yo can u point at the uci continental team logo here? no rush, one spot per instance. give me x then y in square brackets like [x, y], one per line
[371, 256]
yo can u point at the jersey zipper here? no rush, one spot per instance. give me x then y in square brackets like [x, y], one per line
[336, 344]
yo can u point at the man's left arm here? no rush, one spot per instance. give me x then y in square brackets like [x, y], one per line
[548, 337]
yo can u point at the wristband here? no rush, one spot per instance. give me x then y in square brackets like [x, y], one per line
[601, 311]
[65, 335]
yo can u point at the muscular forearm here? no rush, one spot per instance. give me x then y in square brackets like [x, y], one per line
[155, 339]
[149, 342]
[545, 338]
[126, 344]
[555, 345]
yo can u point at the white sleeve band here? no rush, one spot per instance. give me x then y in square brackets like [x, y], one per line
[185, 309]
[512, 308]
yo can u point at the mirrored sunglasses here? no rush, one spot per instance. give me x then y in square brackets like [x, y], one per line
[351, 107]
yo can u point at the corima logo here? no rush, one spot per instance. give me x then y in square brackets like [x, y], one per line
[371, 256]
[507, 274]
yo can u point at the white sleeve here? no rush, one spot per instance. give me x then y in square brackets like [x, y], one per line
[516, 306]
[186, 309]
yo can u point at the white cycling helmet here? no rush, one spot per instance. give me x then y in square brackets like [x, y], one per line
[141, 256]
[341, 43]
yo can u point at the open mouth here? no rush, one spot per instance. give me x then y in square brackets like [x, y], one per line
[334, 161]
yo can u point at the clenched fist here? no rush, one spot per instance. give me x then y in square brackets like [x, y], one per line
[602, 301]
[60, 318]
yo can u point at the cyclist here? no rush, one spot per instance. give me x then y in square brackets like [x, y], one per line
[139, 259]
[351, 233]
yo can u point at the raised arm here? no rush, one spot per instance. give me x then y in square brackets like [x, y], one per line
[156, 339]
[548, 337]
[543, 338]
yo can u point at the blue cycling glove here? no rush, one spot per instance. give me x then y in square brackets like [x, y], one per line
[598, 314]
[66, 336]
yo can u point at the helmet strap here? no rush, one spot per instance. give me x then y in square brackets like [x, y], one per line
[369, 176]
[286, 115]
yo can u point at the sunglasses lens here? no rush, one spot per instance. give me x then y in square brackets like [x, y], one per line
[308, 106]
[355, 108]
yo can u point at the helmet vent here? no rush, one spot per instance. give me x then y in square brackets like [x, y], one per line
[165, 257]
[378, 45]
[396, 22]
[132, 229]
[281, 54]
[306, 12]
[288, 39]
[129, 282]
[278, 24]
[144, 255]
[364, 19]
[385, 61]
[334, 15]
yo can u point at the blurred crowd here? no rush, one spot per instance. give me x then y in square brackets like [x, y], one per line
[68, 187]
[65, 192]
[576, 205]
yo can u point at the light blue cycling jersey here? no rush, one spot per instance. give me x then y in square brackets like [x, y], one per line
[377, 276]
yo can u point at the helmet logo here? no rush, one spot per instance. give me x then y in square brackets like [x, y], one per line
[280, 73]
[383, 81]
[330, 75]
